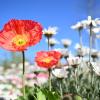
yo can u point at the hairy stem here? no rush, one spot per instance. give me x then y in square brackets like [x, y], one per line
[49, 70]
[23, 75]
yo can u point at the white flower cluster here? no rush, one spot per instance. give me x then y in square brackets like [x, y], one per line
[86, 23]
[94, 23]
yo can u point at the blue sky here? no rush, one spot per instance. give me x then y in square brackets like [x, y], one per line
[60, 13]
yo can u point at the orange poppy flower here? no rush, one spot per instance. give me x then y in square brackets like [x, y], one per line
[18, 35]
[47, 59]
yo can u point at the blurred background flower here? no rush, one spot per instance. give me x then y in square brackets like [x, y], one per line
[52, 42]
[66, 42]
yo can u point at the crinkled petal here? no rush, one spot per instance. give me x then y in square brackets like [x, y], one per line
[53, 57]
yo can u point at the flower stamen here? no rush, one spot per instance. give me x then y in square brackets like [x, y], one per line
[47, 60]
[20, 40]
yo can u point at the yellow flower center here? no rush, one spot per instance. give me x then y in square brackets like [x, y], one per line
[47, 60]
[20, 40]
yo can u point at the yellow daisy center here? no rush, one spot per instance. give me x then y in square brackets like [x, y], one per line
[20, 40]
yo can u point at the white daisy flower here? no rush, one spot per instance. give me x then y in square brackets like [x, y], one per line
[50, 31]
[96, 30]
[66, 42]
[98, 36]
[73, 61]
[52, 41]
[96, 68]
[64, 52]
[60, 72]
[94, 53]
[90, 21]
[82, 51]
[77, 46]
[77, 26]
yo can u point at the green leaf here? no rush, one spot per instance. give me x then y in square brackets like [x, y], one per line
[40, 95]
[76, 97]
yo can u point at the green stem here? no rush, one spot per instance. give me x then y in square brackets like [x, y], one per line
[99, 87]
[61, 91]
[23, 76]
[90, 43]
[80, 38]
[48, 43]
[49, 70]
[75, 74]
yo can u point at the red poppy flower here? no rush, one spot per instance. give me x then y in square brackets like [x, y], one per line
[47, 59]
[18, 35]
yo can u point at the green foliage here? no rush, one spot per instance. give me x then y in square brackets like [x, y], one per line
[38, 93]
[82, 86]
[76, 97]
